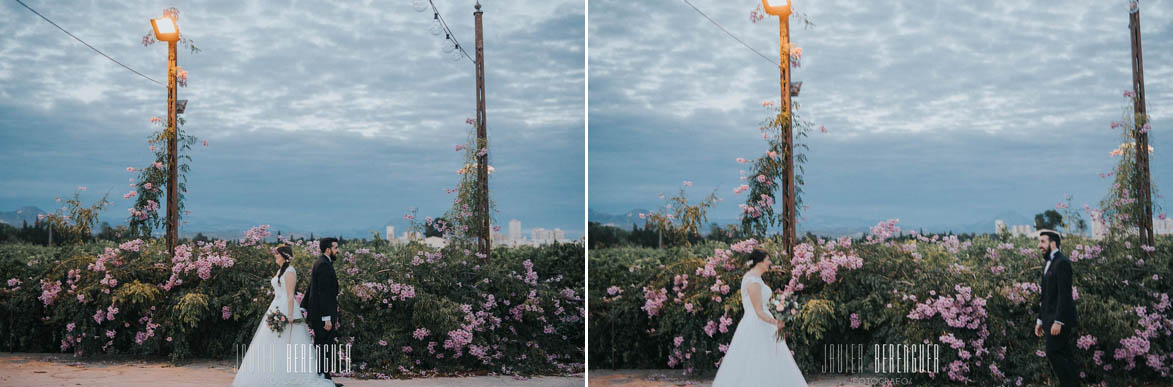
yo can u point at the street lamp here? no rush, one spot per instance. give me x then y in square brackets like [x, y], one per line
[782, 11]
[167, 30]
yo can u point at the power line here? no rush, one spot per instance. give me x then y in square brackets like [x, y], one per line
[731, 34]
[448, 31]
[88, 45]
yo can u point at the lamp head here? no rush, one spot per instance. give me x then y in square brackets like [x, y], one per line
[166, 30]
[779, 8]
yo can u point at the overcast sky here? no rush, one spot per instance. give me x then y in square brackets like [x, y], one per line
[936, 112]
[322, 116]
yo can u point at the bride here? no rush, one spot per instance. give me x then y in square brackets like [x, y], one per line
[266, 361]
[755, 356]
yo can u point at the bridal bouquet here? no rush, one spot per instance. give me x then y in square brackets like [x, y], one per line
[785, 310]
[277, 320]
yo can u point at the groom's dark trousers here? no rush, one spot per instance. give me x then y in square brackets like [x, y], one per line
[323, 341]
[1061, 353]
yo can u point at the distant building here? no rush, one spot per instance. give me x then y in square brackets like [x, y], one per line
[1160, 227]
[1163, 226]
[1099, 229]
[435, 242]
[1015, 230]
[515, 230]
[390, 233]
[1022, 230]
[559, 235]
[538, 235]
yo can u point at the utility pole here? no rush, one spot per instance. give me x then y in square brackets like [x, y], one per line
[1140, 118]
[172, 151]
[785, 120]
[167, 29]
[483, 239]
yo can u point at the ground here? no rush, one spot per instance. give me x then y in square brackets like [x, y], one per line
[664, 378]
[31, 369]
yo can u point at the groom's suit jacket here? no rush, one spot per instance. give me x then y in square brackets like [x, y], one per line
[1056, 302]
[322, 294]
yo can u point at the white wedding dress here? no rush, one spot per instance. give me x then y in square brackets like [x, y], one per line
[755, 356]
[270, 360]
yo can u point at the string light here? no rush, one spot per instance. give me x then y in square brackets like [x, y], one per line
[451, 47]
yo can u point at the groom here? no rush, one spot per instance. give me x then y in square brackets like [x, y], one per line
[1056, 317]
[322, 305]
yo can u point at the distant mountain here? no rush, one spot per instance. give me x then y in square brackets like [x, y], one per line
[624, 221]
[21, 215]
[835, 226]
[234, 228]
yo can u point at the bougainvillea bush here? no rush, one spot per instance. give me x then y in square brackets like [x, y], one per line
[678, 308]
[406, 310]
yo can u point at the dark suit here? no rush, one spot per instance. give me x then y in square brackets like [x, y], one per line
[1057, 305]
[321, 302]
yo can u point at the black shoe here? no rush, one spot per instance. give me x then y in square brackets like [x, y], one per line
[337, 384]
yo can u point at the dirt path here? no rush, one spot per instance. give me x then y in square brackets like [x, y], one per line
[35, 370]
[664, 378]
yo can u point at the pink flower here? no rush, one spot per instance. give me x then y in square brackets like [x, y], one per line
[1086, 342]
[205, 143]
[81, 188]
[130, 169]
[687, 183]
[725, 323]
[761, 178]
[741, 160]
[148, 186]
[225, 313]
[855, 323]
[823, 129]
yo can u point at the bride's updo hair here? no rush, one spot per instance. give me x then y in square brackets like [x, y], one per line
[755, 257]
[286, 252]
